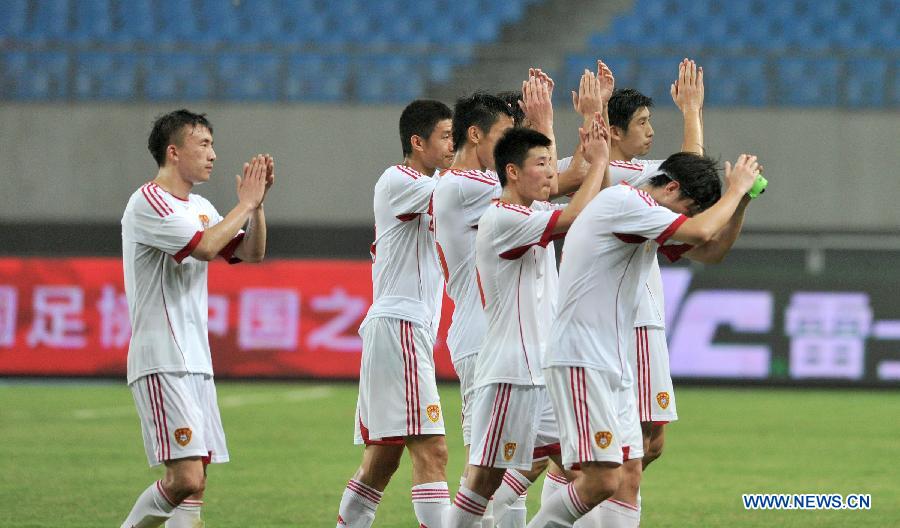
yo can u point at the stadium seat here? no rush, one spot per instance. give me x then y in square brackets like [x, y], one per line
[176, 77]
[865, 82]
[248, 76]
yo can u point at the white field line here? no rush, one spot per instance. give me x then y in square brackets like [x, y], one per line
[313, 393]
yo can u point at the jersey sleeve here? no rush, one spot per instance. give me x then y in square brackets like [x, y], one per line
[641, 216]
[519, 229]
[475, 197]
[409, 192]
[226, 252]
[158, 225]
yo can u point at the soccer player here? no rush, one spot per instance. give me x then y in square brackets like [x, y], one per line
[609, 252]
[398, 402]
[168, 236]
[517, 279]
[632, 136]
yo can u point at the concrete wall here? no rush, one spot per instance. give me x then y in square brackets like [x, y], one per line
[828, 169]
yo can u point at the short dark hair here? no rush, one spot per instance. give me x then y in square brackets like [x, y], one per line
[512, 99]
[623, 104]
[480, 109]
[697, 176]
[168, 129]
[419, 119]
[513, 148]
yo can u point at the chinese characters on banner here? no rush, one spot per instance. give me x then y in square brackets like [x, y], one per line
[300, 319]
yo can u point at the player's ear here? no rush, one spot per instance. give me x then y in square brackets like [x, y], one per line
[616, 133]
[474, 134]
[172, 152]
[417, 142]
[512, 172]
[673, 187]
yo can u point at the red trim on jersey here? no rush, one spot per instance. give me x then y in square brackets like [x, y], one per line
[646, 197]
[626, 165]
[619, 289]
[476, 176]
[158, 205]
[480, 287]
[180, 199]
[661, 239]
[674, 252]
[546, 451]
[547, 236]
[157, 191]
[660, 422]
[156, 420]
[559, 479]
[227, 252]
[188, 248]
[409, 171]
[407, 217]
[165, 447]
[495, 427]
[443, 260]
[514, 207]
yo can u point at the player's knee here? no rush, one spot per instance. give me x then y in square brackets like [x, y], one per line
[601, 485]
[185, 484]
[437, 455]
[430, 455]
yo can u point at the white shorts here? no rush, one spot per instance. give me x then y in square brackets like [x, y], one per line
[510, 425]
[179, 417]
[649, 360]
[465, 370]
[398, 394]
[597, 417]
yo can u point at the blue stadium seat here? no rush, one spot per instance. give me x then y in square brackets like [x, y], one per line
[136, 22]
[248, 76]
[105, 76]
[807, 82]
[390, 79]
[318, 78]
[14, 26]
[735, 81]
[44, 78]
[93, 22]
[865, 80]
[177, 77]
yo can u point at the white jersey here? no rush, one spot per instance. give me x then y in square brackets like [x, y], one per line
[460, 198]
[165, 286]
[406, 278]
[517, 275]
[608, 255]
[651, 303]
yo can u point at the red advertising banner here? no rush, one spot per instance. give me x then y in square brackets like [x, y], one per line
[277, 319]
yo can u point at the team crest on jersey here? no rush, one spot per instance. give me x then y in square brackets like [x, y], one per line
[183, 436]
[662, 398]
[509, 449]
[603, 439]
[204, 221]
[434, 412]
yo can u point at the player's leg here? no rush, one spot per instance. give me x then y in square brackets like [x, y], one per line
[654, 440]
[175, 434]
[502, 440]
[381, 419]
[554, 481]
[585, 407]
[425, 439]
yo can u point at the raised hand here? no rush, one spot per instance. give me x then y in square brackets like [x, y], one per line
[536, 101]
[595, 140]
[606, 80]
[270, 172]
[251, 188]
[588, 100]
[687, 90]
[742, 175]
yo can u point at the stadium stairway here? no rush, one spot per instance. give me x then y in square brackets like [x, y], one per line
[546, 34]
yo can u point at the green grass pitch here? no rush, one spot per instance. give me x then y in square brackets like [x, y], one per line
[72, 456]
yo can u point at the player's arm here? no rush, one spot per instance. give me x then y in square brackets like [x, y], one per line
[595, 144]
[704, 227]
[253, 247]
[592, 97]
[715, 250]
[251, 191]
[687, 92]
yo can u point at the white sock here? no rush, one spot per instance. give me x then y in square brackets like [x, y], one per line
[431, 502]
[552, 484]
[618, 514]
[186, 515]
[467, 509]
[358, 504]
[151, 509]
[516, 514]
[561, 510]
[514, 484]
